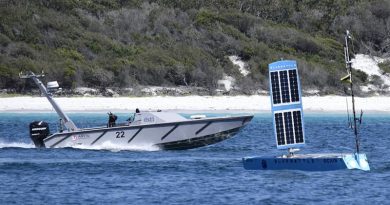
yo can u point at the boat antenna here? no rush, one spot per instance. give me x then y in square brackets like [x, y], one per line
[348, 65]
[67, 121]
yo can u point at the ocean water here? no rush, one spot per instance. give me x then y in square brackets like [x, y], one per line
[208, 175]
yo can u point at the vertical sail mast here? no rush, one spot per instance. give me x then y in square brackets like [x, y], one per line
[348, 65]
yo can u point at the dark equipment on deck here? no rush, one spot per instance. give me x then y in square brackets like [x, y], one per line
[111, 119]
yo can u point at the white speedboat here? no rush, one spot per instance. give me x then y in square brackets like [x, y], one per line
[165, 130]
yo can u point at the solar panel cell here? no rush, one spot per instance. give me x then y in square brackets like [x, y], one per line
[275, 87]
[284, 86]
[298, 126]
[293, 85]
[279, 128]
[289, 129]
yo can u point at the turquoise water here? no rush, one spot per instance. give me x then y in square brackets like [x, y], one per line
[208, 175]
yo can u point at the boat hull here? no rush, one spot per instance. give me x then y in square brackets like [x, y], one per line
[310, 162]
[168, 136]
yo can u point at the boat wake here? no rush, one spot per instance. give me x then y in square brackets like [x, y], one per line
[16, 145]
[116, 148]
[105, 146]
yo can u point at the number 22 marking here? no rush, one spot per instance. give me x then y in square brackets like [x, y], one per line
[120, 134]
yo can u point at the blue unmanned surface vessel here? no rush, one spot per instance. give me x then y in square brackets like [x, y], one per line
[286, 102]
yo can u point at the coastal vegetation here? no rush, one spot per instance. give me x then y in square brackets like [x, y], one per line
[133, 43]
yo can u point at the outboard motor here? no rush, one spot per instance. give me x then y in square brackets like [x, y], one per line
[39, 130]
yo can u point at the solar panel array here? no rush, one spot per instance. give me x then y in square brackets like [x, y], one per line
[286, 104]
[288, 126]
[284, 85]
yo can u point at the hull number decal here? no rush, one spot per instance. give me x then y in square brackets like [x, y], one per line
[80, 136]
[120, 134]
[149, 119]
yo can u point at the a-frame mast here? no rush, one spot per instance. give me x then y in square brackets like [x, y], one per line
[69, 124]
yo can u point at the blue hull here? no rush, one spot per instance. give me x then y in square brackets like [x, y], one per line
[319, 162]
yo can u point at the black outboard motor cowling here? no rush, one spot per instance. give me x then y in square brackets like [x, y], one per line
[39, 130]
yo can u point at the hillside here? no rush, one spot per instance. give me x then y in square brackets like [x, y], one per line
[133, 43]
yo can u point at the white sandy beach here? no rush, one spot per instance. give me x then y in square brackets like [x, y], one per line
[253, 103]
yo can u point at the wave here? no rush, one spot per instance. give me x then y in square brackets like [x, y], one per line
[16, 145]
[105, 146]
[116, 148]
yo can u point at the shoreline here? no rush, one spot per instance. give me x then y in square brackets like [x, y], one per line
[216, 112]
[191, 104]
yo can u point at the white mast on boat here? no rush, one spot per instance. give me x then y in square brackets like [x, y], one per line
[348, 65]
[48, 94]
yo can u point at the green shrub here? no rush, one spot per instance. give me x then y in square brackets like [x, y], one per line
[70, 53]
[306, 45]
[98, 77]
[376, 80]
[206, 17]
[95, 46]
[385, 66]
[22, 49]
[235, 33]
[124, 51]
[6, 76]
[248, 51]
[69, 77]
[4, 40]
[62, 5]
[362, 76]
